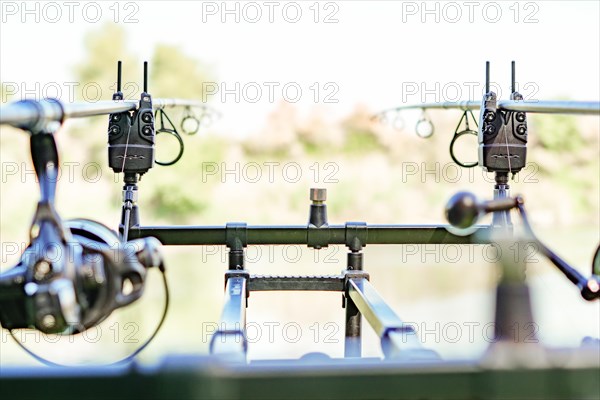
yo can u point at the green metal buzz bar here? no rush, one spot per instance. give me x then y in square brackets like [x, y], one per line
[300, 235]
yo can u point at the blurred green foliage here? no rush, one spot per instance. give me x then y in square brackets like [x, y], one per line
[171, 74]
[104, 47]
[361, 141]
[174, 74]
[558, 133]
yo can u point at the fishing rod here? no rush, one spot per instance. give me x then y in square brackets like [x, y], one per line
[31, 115]
[501, 125]
[48, 114]
[425, 128]
[501, 131]
[532, 106]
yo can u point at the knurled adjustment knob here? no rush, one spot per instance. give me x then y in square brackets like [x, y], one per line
[318, 195]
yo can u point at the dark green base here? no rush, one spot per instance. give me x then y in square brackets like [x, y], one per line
[208, 378]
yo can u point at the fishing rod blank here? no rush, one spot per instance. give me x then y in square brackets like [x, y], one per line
[31, 114]
[533, 106]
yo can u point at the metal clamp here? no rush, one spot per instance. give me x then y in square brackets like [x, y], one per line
[236, 239]
[356, 235]
[238, 274]
[348, 276]
[355, 275]
[318, 234]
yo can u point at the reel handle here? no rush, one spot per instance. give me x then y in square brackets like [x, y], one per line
[464, 209]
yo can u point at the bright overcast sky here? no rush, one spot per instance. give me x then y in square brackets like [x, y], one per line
[369, 52]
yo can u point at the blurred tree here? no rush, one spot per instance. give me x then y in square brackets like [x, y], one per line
[104, 47]
[174, 74]
[558, 133]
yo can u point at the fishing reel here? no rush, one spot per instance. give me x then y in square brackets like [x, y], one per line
[463, 210]
[72, 276]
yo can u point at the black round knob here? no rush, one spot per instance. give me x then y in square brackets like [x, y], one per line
[462, 210]
[521, 129]
[115, 117]
[490, 116]
[520, 117]
[147, 130]
[490, 129]
[147, 117]
[114, 130]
